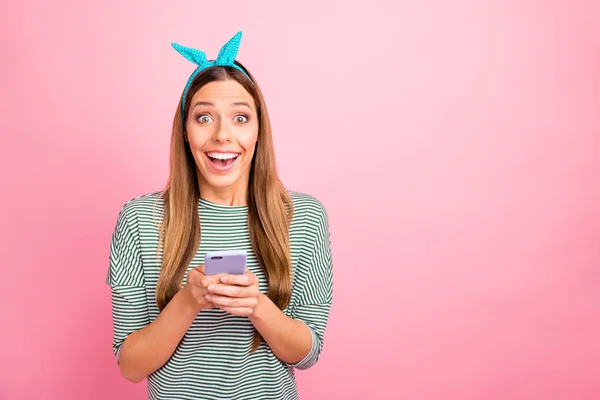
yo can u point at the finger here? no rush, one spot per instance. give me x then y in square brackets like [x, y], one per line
[209, 306]
[194, 277]
[200, 268]
[225, 301]
[197, 278]
[233, 290]
[208, 280]
[251, 277]
[243, 280]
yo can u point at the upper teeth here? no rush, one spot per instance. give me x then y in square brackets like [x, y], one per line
[222, 156]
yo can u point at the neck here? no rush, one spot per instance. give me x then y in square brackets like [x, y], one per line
[235, 195]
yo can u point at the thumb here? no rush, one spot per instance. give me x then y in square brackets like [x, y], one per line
[200, 268]
[194, 276]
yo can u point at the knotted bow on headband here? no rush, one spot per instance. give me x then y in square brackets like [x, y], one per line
[226, 57]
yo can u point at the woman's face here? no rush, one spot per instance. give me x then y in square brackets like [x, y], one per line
[222, 130]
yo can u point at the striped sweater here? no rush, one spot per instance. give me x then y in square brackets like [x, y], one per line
[213, 360]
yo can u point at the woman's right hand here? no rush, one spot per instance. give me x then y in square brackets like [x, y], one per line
[147, 349]
[196, 287]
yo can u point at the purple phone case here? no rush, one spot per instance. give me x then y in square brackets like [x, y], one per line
[225, 262]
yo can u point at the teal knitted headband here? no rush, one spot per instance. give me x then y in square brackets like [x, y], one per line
[226, 57]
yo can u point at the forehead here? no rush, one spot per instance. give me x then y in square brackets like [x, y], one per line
[223, 93]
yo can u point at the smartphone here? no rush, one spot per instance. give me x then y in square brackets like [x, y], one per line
[225, 262]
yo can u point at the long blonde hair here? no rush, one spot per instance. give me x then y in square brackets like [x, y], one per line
[269, 204]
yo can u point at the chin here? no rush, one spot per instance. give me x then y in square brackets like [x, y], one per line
[222, 182]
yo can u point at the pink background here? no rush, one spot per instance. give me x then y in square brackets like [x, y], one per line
[455, 145]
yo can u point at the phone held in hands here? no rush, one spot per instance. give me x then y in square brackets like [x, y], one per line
[225, 262]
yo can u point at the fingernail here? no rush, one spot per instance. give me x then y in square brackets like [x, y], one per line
[224, 278]
[211, 287]
[208, 297]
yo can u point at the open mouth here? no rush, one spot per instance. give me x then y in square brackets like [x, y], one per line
[222, 160]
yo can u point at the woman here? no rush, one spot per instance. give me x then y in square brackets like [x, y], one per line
[197, 336]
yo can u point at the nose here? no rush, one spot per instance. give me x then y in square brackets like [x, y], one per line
[222, 134]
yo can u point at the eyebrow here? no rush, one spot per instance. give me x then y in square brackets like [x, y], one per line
[209, 104]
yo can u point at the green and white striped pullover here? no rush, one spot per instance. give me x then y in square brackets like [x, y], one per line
[213, 360]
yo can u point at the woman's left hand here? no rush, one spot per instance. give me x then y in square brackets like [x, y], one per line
[235, 294]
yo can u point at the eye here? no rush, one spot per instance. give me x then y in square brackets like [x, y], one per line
[204, 119]
[240, 119]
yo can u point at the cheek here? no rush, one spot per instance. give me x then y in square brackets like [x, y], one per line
[193, 146]
[196, 141]
[248, 141]
[250, 148]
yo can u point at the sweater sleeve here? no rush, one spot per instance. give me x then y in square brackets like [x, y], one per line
[126, 280]
[317, 289]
